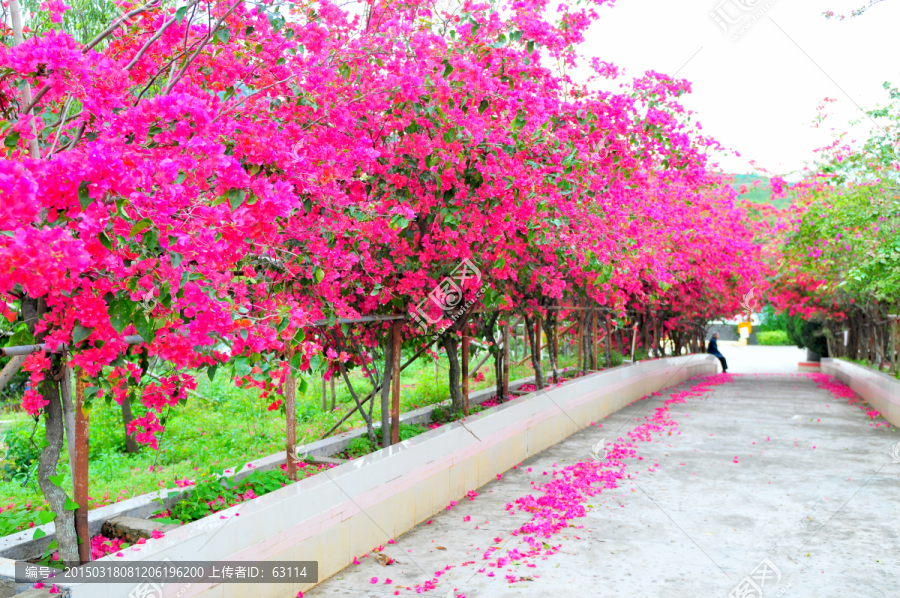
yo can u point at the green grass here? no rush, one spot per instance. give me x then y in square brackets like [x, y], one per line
[221, 426]
[773, 337]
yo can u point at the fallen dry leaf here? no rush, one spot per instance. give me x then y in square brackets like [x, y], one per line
[440, 548]
[384, 560]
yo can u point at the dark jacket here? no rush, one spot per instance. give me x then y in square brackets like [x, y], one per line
[713, 347]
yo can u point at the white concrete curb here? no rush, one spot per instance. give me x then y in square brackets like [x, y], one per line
[880, 390]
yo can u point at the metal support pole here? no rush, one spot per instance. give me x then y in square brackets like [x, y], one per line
[396, 341]
[290, 415]
[465, 369]
[80, 473]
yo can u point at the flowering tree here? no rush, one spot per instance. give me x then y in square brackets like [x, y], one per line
[837, 245]
[214, 185]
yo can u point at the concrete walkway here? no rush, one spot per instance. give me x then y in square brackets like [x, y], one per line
[814, 490]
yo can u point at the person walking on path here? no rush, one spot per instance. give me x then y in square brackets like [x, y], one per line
[713, 349]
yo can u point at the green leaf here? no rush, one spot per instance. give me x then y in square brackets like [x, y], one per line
[11, 140]
[304, 385]
[483, 106]
[211, 371]
[179, 14]
[56, 480]
[223, 35]
[236, 198]
[43, 444]
[46, 517]
[38, 533]
[448, 68]
[140, 225]
[104, 240]
[180, 178]
[91, 391]
[144, 327]
[320, 274]
[70, 505]
[298, 338]
[120, 314]
[80, 333]
[84, 197]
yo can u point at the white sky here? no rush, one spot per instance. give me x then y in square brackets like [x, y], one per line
[758, 95]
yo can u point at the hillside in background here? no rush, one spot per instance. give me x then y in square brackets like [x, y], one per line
[760, 193]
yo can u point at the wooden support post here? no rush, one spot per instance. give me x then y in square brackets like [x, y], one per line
[593, 340]
[80, 473]
[333, 393]
[505, 361]
[324, 393]
[538, 331]
[396, 342]
[290, 415]
[465, 369]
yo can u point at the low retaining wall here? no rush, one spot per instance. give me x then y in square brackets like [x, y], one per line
[23, 546]
[346, 511]
[880, 390]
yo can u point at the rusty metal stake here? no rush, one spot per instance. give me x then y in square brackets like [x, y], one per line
[80, 473]
[290, 415]
[465, 369]
[396, 342]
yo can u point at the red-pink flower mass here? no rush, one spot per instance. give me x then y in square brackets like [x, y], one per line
[324, 164]
[217, 177]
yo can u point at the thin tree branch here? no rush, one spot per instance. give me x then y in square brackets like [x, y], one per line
[258, 91]
[209, 36]
[153, 39]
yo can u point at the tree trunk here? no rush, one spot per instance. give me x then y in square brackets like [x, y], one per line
[451, 344]
[131, 445]
[32, 312]
[11, 368]
[370, 431]
[608, 343]
[56, 496]
[535, 352]
[551, 328]
[500, 363]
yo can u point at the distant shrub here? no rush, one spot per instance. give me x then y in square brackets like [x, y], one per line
[773, 337]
